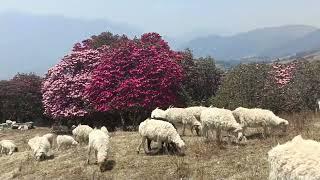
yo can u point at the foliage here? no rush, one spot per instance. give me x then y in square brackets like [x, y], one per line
[242, 86]
[304, 90]
[20, 98]
[202, 79]
[105, 38]
[64, 84]
[138, 74]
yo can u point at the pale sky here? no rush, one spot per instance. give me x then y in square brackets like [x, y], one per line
[178, 17]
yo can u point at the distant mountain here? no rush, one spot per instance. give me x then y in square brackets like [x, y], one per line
[265, 42]
[32, 43]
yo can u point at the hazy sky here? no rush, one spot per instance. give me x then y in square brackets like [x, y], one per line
[178, 17]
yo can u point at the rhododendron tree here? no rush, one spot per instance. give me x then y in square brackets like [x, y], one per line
[64, 84]
[138, 74]
[283, 73]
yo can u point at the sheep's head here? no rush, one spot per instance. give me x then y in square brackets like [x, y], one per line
[40, 155]
[102, 160]
[181, 148]
[196, 126]
[101, 157]
[238, 132]
[75, 143]
[284, 125]
[73, 127]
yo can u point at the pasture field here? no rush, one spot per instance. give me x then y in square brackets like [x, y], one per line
[203, 160]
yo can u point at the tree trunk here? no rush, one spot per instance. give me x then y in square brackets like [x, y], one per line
[123, 124]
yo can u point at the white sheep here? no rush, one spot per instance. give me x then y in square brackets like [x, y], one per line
[50, 138]
[99, 142]
[65, 141]
[296, 159]
[159, 131]
[158, 113]
[105, 130]
[257, 117]
[196, 111]
[220, 120]
[81, 133]
[7, 147]
[40, 146]
[180, 115]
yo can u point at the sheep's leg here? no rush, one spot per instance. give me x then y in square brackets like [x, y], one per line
[212, 132]
[139, 147]
[149, 144]
[143, 143]
[265, 130]
[183, 128]
[166, 145]
[89, 152]
[96, 156]
[218, 136]
[244, 130]
[159, 146]
[191, 128]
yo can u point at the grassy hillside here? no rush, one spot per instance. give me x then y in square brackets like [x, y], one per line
[203, 160]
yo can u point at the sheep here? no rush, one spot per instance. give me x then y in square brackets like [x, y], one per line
[50, 138]
[81, 133]
[295, 159]
[40, 146]
[220, 119]
[99, 142]
[158, 113]
[160, 131]
[7, 147]
[105, 130]
[196, 111]
[180, 115]
[257, 117]
[65, 140]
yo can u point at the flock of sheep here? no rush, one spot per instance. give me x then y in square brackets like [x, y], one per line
[298, 158]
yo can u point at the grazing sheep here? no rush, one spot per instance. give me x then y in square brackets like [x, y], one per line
[180, 115]
[105, 130]
[196, 111]
[296, 159]
[257, 117]
[7, 147]
[160, 131]
[65, 141]
[40, 147]
[50, 138]
[81, 133]
[158, 113]
[99, 142]
[220, 119]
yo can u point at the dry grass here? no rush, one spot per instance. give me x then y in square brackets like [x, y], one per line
[203, 160]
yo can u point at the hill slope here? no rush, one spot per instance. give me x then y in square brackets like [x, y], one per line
[35, 43]
[273, 41]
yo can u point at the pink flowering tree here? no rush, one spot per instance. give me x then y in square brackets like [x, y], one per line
[64, 84]
[137, 75]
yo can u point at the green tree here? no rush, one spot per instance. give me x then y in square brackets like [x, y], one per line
[201, 81]
[242, 86]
